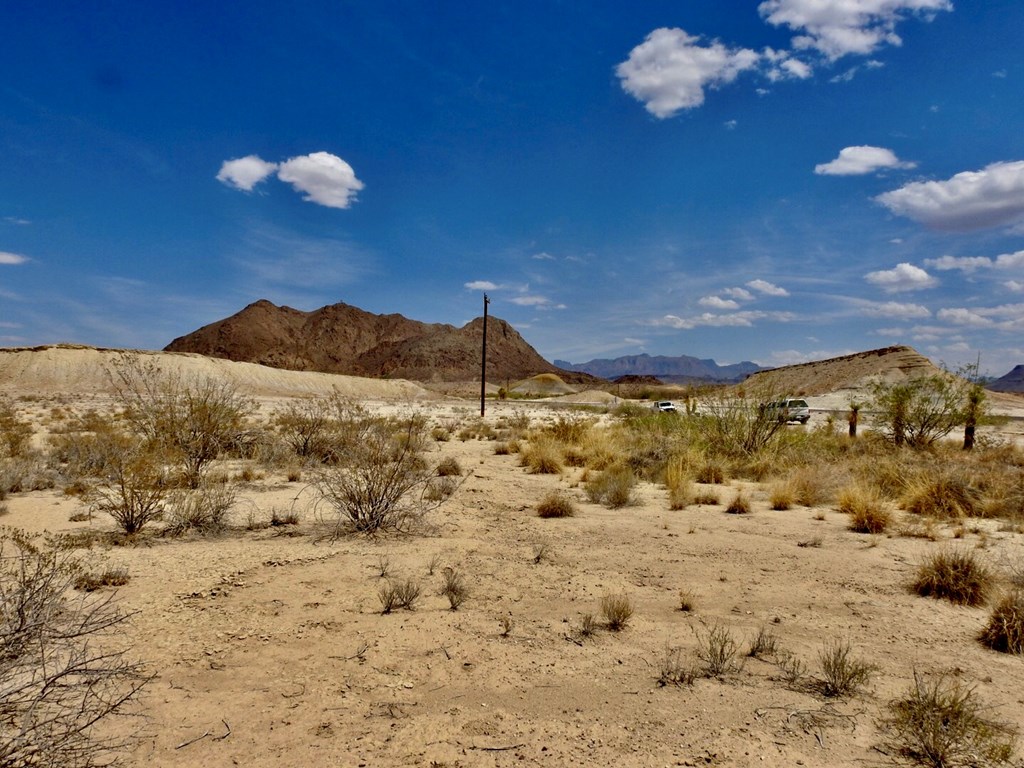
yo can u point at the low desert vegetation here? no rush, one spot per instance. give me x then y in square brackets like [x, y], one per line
[612, 488]
[717, 650]
[399, 594]
[842, 674]
[556, 504]
[1004, 631]
[63, 667]
[941, 723]
[954, 574]
[866, 509]
[739, 505]
[617, 610]
[453, 587]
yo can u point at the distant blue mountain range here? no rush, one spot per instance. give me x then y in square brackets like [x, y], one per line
[663, 367]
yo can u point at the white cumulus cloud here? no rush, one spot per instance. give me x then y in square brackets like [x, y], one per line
[12, 258]
[742, 294]
[717, 302]
[966, 264]
[670, 69]
[857, 161]
[744, 319]
[481, 285]
[245, 172]
[837, 28]
[768, 289]
[902, 277]
[991, 197]
[961, 316]
[325, 178]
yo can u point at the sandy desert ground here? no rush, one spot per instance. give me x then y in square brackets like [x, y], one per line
[269, 648]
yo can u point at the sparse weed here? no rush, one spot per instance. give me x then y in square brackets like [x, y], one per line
[540, 552]
[739, 505]
[507, 624]
[687, 600]
[111, 577]
[941, 723]
[454, 588]
[765, 643]
[706, 497]
[588, 625]
[402, 594]
[613, 488]
[866, 509]
[792, 667]
[842, 674]
[717, 649]
[673, 671]
[281, 517]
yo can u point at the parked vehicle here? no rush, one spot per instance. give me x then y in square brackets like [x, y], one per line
[664, 406]
[790, 409]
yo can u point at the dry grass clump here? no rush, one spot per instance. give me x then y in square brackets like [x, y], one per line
[687, 600]
[764, 644]
[706, 496]
[453, 586]
[110, 577]
[865, 507]
[739, 505]
[1005, 629]
[711, 472]
[842, 674]
[956, 575]
[940, 723]
[542, 456]
[944, 496]
[782, 495]
[449, 467]
[203, 510]
[402, 594]
[556, 504]
[673, 671]
[617, 611]
[613, 488]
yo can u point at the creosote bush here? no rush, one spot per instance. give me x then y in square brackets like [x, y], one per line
[1005, 629]
[617, 611]
[957, 575]
[941, 723]
[717, 649]
[135, 488]
[62, 668]
[556, 504]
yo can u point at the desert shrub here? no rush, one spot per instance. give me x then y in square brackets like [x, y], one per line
[617, 611]
[865, 508]
[556, 504]
[203, 510]
[737, 425]
[813, 487]
[110, 577]
[542, 455]
[782, 496]
[24, 473]
[681, 495]
[283, 517]
[792, 667]
[439, 489]
[918, 412]
[765, 643]
[717, 649]
[842, 673]
[672, 670]
[569, 428]
[381, 485]
[705, 496]
[941, 723]
[739, 505]
[687, 600]
[63, 668]
[588, 625]
[612, 488]
[453, 586]
[1005, 629]
[401, 594]
[190, 421]
[943, 496]
[449, 467]
[134, 490]
[711, 472]
[15, 432]
[956, 575]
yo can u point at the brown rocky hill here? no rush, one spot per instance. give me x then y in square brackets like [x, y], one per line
[1011, 382]
[340, 338]
[849, 372]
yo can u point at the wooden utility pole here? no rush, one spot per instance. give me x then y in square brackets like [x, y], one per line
[483, 362]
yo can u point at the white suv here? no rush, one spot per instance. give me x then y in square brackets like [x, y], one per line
[791, 409]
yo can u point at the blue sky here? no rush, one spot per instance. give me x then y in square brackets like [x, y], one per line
[775, 181]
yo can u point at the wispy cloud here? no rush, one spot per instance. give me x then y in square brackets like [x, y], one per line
[743, 319]
[768, 289]
[717, 302]
[12, 258]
